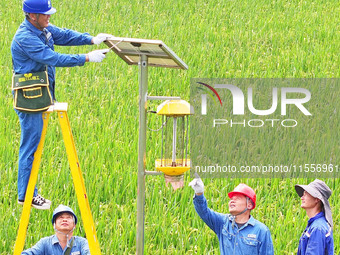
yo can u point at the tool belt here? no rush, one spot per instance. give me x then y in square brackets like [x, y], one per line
[31, 92]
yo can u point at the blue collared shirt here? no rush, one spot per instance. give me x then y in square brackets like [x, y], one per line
[253, 238]
[33, 49]
[317, 239]
[50, 246]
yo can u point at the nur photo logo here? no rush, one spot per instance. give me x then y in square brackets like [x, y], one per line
[265, 127]
[289, 97]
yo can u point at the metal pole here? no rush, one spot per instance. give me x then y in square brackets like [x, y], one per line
[143, 90]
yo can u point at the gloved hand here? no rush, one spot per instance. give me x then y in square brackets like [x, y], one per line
[197, 184]
[97, 55]
[100, 38]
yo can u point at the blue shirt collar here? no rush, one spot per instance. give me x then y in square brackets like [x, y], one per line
[251, 220]
[55, 240]
[319, 215]
[30, 26]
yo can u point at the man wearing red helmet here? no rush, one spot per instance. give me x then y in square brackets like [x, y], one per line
[238, 232]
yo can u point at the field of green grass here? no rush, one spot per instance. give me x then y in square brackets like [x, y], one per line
[216, 39]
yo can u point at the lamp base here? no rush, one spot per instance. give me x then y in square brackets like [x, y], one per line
[167, 168]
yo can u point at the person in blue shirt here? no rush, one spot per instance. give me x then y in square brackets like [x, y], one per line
[64, 222]
[33, 51]
[317, 239]
[238, 232]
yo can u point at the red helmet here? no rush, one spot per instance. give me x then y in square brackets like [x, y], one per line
[245, 190]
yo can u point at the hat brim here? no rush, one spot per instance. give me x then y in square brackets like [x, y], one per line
[50, 11]
[232, 193]
[59, 213]
[312, 191]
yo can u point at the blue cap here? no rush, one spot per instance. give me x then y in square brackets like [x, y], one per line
[38, 6]
[63, 209]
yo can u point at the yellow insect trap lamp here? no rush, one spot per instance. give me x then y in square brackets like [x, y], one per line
[174, 160]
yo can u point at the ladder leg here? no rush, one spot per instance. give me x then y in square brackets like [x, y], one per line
[79, 183]
[25, 215]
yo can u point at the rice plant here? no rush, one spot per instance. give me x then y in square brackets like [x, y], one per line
[216, 39]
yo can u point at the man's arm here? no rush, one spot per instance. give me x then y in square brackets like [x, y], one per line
[68, 37]
[213, 219]
[38, 249]
[37, 51]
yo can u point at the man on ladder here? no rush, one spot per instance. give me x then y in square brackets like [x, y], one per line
[33, 51]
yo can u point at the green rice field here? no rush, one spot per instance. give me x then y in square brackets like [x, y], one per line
[216, 39]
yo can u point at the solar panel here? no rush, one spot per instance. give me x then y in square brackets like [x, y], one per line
[130, 50]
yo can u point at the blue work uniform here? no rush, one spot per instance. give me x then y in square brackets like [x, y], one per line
[33, 51]
[317, 239]
[253, 238]
[50, 245]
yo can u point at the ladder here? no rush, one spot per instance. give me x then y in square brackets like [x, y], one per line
[61, 109]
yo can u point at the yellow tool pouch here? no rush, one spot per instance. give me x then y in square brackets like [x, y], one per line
[31, 92]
